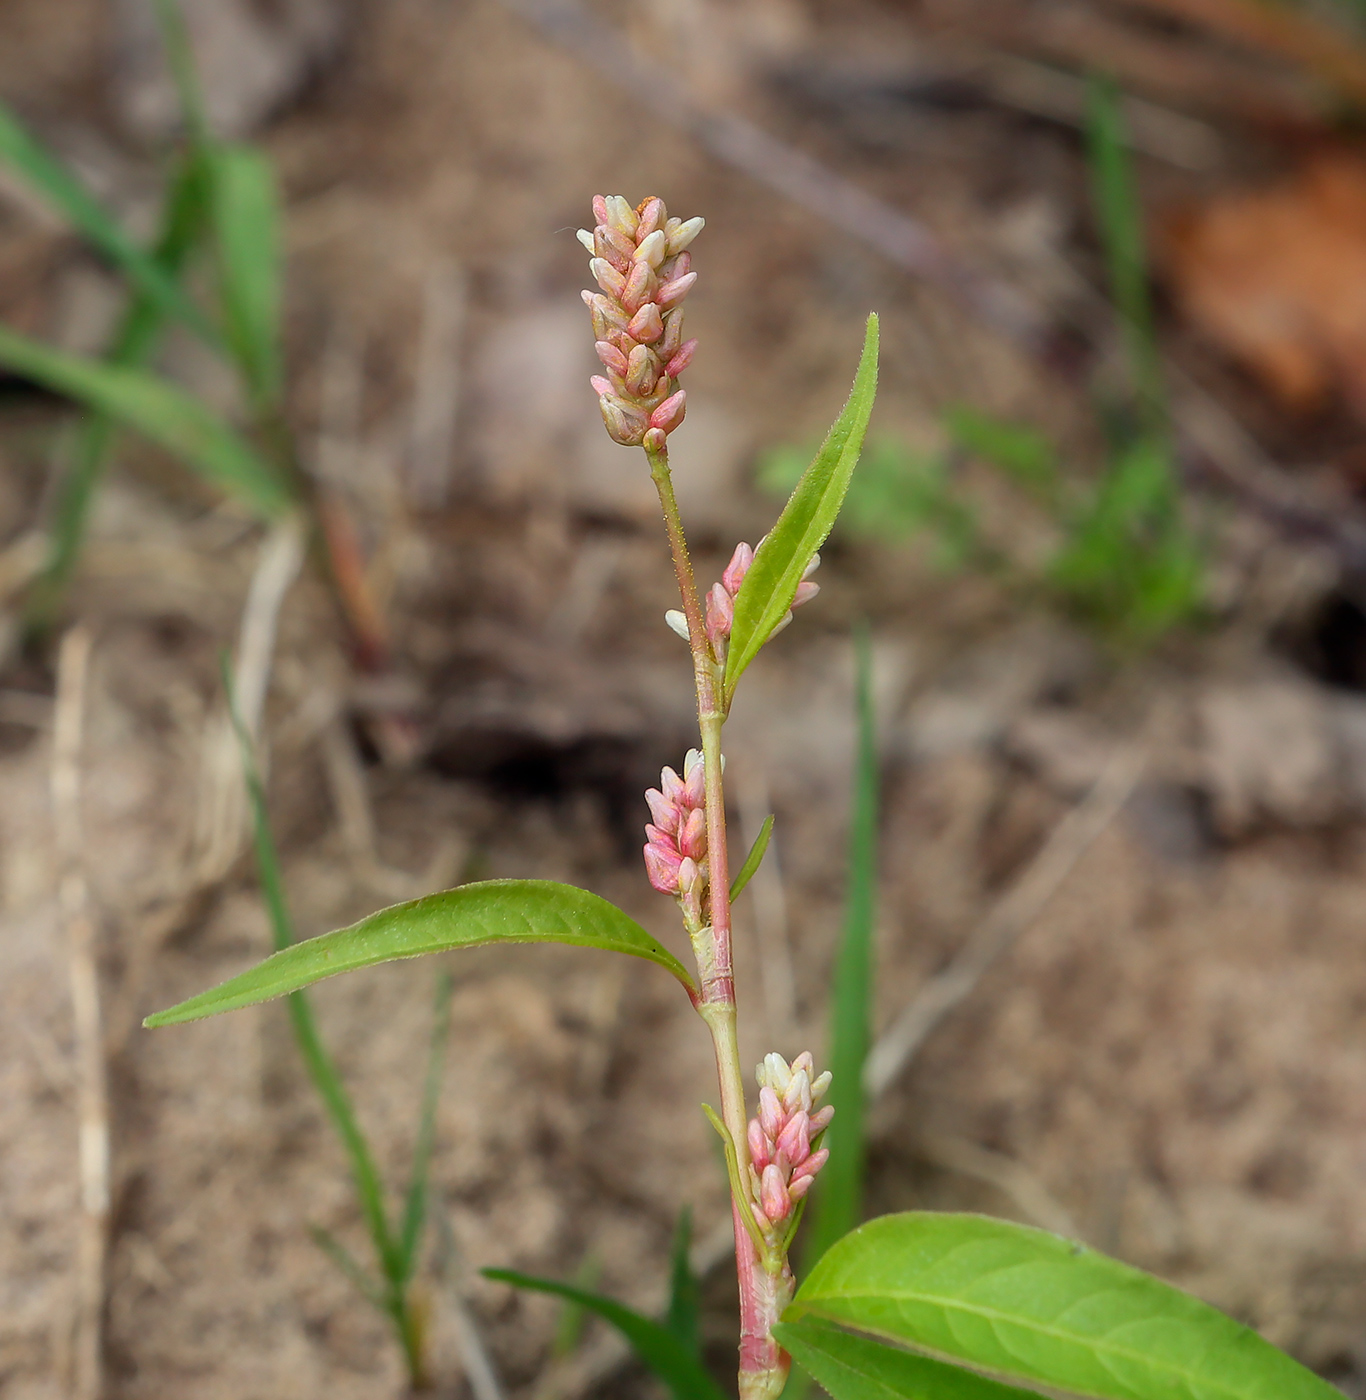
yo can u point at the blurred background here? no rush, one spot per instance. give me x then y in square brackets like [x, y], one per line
[1108, 537]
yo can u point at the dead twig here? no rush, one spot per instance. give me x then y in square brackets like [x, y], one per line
[1012, 914]
[92, 1092]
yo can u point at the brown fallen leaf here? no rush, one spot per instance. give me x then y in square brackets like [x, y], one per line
[1277, 276]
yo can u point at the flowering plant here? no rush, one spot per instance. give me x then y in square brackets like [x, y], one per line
[903, 1305]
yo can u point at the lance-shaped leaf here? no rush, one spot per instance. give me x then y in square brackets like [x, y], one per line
[663, 1352]
[1036, 1307]
[493, 911]
[65, 193]
[766, 595]
[858, 1368]
[246, 221]
[158, 410]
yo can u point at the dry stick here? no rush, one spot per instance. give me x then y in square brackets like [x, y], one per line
[1011, 915]
[92, 1093]
[1007, 920]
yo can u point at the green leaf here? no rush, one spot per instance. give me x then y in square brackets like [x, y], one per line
[496, 911]
[838, 1196]
[246, 219]
[771, 583]
[857, 1368]
[175, 40]
[1036, 1307]
[684, 1302]
[156, 409]
[753, 860]
[337, 1252]
[65, 193]
[654, 1343]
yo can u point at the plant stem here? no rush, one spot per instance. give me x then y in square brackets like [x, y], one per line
[763, 1294]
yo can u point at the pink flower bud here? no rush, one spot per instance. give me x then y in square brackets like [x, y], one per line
[673, 335]
[672, 786]
[671, 269]
[647, 325]
[613, 247]
[695, 779]
[737, 568]
[682, 360]
[624, 423]
[670, 294]
[652, 216]
[600, 385]
[605, 312]
[760, 1149]
[611, 356]
[820, 1120]
[692, 836]
[599, 209]
[798, 1187]
[682, 236]
[806, 591]
[773, 1194]
[670, 413]
[654, 440]
[642, 371]
[662, 810]
[651, 249]
[657, 836]
[607, 277]
[795, 1139]
[770, 1112]
[813, 1164]
[662, 867]
[639, 287]
[720, 616]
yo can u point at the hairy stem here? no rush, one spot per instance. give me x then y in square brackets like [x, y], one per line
[763, 1366]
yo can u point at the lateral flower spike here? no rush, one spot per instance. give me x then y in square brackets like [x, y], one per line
[639, 258]
[721, 598]
[676, 837]
[782, 1162]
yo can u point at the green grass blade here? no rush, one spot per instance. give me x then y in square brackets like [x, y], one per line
[246, 225]
[1120, 220]
[654, 1343]
[371, 1289]
[60, 188]
[158, 410]
[784, 553]
[1035, 1307]
[753, 860]
[175, 40]
[415, 1205]
[685, 1305]
[569, 1328]
[137, 336]
[321, 1069]
[857, 1368]
[838, 1195]
[494, 911]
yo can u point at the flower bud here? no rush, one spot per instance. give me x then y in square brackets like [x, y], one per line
[650, 250]
[682, 236]
[673, 618]
[607, 277]
[773, 1197]
[619, 215]
[673, 335]
[652, 215]
[614, 246]
[806, 591]
[600, 214]
[624, 424]
[795, 1139]
[642, 371]
[692, 835]
[662, 866]
[720, 615]
[670, 413]
[647, 325]
[611, 357]
[663, 811]
[586, 239]
[738, 567]
[770, 1112]
[639, 287]
[760, 1149]
[671, 293]
[682, 360]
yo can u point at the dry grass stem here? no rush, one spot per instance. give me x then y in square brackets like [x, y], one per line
[92, 1092]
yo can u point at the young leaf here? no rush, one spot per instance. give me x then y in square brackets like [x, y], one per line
[156, 409]
[1036, 1307]
[245, 213]
[654, 1343]
[857, 1368]
[838, 1196]
[137, 335]
[684, 1305]
[771, 583]
[753, 860]
[60, 188]
[496, 911]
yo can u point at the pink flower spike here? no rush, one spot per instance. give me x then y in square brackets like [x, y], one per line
[670, 413]
[662, 810]
[611, 356]
[737, 568]
[682, 360]
[692, 837]
[671, 293]
[773, 1195]
[662, 868]
[647, 325]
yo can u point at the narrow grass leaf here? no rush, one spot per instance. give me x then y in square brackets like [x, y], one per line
[684, 1300]
[495, 911]
[415, 1205]
[858, 1368]
[175, 40]
[654, 1343]
[771, 583]
[246, 226]
[158, 410]
[753, 860]
[182, 221]
[1035, 1307]
[837, 1201]
[370, 1288]
[65, 193]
